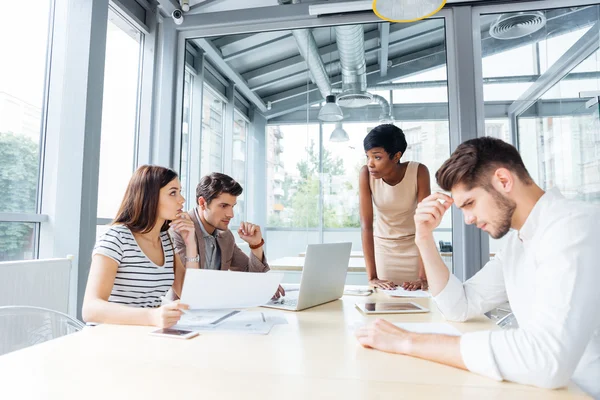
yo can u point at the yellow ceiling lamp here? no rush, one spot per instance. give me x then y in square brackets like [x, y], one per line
[406, 10]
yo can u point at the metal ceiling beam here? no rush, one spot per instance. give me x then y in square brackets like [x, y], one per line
[199, 7]
[294, 104]
[581, 50]
[168, 6]
[411, 64]
[437, 112]
[297, 64]
[243, 42]
[253, 19]
[298, 98]
[224, 41]
[215, 57]
[371, 45]
[488, 50]
[250, 49]
[294, 65]
[486, 81]
[384, 38]
[303, 89]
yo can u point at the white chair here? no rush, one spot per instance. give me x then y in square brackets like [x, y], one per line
[24, 326]
[36, 283]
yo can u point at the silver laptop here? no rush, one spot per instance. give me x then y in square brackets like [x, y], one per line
[323, 277]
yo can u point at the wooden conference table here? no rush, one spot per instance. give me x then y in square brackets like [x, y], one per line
[314, 356]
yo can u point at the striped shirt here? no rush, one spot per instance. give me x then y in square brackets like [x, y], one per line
[139, 282]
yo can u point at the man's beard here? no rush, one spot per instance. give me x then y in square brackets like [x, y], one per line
[506, 208]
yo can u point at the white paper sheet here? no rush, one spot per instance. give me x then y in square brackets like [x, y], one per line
[430, 327]
[399, 292]
[252, 322]
[214, 290]
[192, 319]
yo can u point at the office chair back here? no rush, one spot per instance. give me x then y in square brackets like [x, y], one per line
[24, 326]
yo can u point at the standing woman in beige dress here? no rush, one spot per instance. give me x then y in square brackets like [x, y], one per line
[394, 188]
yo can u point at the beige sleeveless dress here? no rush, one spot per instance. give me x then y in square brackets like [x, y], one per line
[396, 254]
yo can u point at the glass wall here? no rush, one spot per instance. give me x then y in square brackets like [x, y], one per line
[213, 118]
[293, 187]
[119, 113]
[186, 127]
[312, 180]
[24, 45]
[537, 77]
[239, 159]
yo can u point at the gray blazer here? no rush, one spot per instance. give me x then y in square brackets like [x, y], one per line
[232, 257]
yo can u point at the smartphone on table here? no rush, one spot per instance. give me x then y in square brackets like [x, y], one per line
[174, 333]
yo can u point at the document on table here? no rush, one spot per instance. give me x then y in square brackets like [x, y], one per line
[430, 327]
[214, 290]
[194, 319]
[236, 321]
[400, 292]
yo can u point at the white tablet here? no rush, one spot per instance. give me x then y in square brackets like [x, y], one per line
[391, 308]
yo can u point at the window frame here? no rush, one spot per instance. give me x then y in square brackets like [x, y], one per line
[37, 218]
[129, 21]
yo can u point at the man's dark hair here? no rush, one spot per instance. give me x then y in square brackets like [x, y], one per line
[388, 136]
[211, 186]
[475, 160]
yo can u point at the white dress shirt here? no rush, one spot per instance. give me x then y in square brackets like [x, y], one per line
[549, 271]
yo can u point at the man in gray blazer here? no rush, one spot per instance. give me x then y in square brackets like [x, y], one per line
[216, 195]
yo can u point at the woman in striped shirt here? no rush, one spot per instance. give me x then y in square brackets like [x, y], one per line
[134, 263]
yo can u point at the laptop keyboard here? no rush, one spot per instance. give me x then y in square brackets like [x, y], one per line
[285, 302]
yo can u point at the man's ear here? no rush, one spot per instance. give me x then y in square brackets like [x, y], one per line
[503, 180]
[202, 203]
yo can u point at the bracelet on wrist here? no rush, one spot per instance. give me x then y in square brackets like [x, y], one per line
[256, 246]
[192, 259]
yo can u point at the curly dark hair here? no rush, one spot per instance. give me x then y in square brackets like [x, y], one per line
[388, 136]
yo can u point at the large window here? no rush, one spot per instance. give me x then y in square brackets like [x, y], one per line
[564, 152]
[213, 118]
[239, 157]
[312, 181]
[292, 171]
[537, 79]
[23, 72]
[293, 209]
[119, 113]
[186, 127]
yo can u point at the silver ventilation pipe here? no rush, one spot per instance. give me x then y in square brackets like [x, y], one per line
[310, 52]
[351, 48]
[386, 115]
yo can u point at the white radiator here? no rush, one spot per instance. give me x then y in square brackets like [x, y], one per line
[39, 283]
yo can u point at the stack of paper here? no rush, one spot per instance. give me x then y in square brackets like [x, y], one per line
[399, 292]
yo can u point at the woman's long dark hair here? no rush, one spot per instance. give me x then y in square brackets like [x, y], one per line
[139, 208]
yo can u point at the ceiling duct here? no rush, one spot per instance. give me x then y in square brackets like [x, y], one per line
[517, 25]
[385, 117]
[351, 48]
[310, 52]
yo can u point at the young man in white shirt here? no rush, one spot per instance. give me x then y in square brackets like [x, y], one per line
[549, 271]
